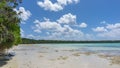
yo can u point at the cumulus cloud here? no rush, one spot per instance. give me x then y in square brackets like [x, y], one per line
[48, 25]
[113, 26]
[25, 14]
[57, 6]
[68, 34]
[56, 31]
[115, 33]
[83, 25]
[99, 29]
[110, 31]
[67, 19]
[48, 5]
[60, 29]
[65, 2]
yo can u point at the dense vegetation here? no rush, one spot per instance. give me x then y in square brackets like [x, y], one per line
[32, 41]
[9, 24]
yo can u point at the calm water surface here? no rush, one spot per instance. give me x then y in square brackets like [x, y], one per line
[103, 48]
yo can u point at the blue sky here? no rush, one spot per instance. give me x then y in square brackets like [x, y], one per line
[70, 19]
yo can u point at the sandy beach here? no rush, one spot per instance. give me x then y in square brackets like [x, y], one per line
[30, 56]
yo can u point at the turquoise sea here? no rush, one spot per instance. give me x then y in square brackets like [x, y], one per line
[101, 48]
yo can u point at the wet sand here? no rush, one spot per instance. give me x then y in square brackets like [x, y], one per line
[29, 56]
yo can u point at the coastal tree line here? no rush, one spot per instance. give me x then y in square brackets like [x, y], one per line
[33, 41]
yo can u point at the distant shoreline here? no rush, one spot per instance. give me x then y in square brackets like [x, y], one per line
[33, 41]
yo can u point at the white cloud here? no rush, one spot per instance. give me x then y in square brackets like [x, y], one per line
[59, 5]
[99, 29]
[23, 35]
[48, 25]
[89, 37]
[60, 29]
[83, 25]
[37, 31]
[65, 2]
[68, 34]
[48, 5]
[57, 31]
[113, 31]
[22, 32]
[25, 14]
[113, 26]
[67, 19]
[30, 36]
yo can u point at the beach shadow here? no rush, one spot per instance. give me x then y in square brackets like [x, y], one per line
[3, 62]
[4, 59]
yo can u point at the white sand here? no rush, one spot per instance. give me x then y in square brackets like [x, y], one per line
[49, 57]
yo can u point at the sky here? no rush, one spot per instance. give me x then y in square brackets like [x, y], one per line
[70, 19]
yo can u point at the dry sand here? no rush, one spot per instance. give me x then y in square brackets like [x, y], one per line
[49, 57]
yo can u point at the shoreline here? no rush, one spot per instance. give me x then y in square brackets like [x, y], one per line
[50, 57]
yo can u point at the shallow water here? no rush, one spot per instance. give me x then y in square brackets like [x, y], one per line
[101, 48]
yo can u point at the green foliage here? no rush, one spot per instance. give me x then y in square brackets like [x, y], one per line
[32, 41]
[9, 24]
